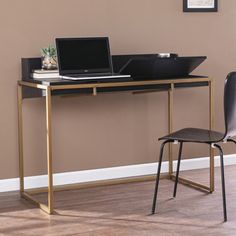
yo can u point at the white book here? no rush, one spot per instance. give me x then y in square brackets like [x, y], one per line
[42, 71]
[44, 75]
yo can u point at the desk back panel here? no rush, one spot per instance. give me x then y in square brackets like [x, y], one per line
[27, 65]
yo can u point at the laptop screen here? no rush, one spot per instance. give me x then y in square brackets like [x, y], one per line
[83, 55]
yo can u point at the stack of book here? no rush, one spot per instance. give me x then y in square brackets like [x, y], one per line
[47, 74]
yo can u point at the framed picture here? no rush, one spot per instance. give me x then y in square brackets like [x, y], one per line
[200, 5]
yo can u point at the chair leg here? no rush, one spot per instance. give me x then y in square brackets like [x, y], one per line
[158, 176]
[231, 140]
[222, 180]
[177, 170]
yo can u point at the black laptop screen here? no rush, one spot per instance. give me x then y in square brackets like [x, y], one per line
[83, 55]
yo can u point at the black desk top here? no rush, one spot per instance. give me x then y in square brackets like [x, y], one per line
[59, 81]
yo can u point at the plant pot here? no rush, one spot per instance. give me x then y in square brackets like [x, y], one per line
[49, 63]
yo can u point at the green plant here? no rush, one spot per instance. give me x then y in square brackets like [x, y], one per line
[49, 51]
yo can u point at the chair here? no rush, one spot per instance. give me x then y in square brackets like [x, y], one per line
[212, 138]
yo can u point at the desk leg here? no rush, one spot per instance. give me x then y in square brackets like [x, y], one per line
[26, 194]
[170, 116]
[20, 138]
[49, 149]
[211, 124]
[170, 127]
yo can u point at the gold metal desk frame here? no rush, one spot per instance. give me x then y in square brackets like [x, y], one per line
[49, 208]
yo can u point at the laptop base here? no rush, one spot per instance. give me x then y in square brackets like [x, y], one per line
[97, 78]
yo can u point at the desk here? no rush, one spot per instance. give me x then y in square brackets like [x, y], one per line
[58, 87]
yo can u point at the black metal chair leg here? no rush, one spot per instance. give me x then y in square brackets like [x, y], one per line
[158, 176]
[231, 140]
[222, 180]
[177, 170]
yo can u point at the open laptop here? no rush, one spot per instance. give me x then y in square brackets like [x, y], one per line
[85, 59]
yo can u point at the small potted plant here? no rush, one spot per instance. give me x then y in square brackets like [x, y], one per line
[49, 58]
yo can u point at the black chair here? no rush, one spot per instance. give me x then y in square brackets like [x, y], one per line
[209, 137]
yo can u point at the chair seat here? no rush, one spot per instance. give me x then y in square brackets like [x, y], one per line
[195, 135]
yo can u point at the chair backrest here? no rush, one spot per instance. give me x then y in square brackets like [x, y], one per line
[230, 105]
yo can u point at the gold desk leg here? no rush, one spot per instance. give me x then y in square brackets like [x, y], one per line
[192, 184]
[49, 148]
[28, 196]
[20, 137]
[170, 127]
[47, 208]
[211, 124]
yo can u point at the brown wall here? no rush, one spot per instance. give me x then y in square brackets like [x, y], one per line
[109, 130]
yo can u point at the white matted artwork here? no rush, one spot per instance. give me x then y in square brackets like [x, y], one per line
[200, 5]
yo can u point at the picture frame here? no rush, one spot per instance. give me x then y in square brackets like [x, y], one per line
[200, 5]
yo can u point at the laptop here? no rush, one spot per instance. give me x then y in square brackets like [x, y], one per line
[153, 67]
[86, 59]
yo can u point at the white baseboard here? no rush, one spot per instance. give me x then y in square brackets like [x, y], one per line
[109, 173]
